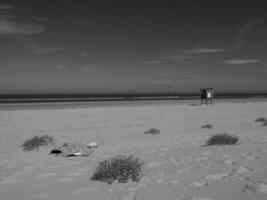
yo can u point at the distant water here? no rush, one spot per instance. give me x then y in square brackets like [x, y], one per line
[54, 98]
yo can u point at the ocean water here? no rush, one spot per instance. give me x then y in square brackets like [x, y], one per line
[14, 102]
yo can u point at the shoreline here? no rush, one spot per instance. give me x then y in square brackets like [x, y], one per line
[120, 103]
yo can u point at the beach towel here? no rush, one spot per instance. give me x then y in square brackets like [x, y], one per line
[73, 149]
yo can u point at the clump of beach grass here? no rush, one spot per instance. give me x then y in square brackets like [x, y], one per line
[120, 168]
[222, 139]
[207, 126]
[36, 142]
[262, 120]
[153, 131]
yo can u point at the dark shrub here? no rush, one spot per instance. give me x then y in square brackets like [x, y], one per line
[222, 139]
[208, 126]
[36, 142]
[153, 131]
[120, 168]
[261, 119]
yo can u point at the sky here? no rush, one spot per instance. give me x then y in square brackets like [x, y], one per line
[76, 46]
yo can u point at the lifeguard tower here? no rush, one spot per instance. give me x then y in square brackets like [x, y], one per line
[206, 94]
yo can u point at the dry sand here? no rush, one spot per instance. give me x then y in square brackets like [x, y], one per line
[177, 165]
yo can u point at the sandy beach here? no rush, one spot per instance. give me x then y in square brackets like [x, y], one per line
[177, 165]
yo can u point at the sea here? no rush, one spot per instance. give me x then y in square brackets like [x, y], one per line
[46, 101]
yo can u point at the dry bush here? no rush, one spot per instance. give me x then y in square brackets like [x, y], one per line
[120, 168]
[222, 139]
[35, 142]
[261, 119]
[207, 126]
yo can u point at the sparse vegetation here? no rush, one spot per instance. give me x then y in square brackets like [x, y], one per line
[222, 139]
[120, 168]
[153, 131]
[35, 142]
[263, 120]
[207, 126]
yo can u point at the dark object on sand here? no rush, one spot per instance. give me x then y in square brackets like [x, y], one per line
[56, 151]
[153, 131]
[37, 141]
[120, 168]
[207, 126]
[73, 149]
[222, 139]
[263, 120]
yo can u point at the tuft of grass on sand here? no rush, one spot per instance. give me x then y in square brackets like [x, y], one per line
[263, 120]
[222, 139]
[153, 131]
[120, 168]
[207, 126]
[37, 141]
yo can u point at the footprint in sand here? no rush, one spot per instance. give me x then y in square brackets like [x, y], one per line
[130, 196]
[132, 189]
[195, 198]
[200, 184]
[251, 157]
[41, 196]
[218, 176]
[262, 188]
[179, 171]
[205, 153]
[155, 164]
[83, 169]
[230, 162]
[10, 180]
[46, 175]
[173, 161]
[249, 187]
[83, 190]
[228, 156]
[201, 159]
[239, 172]
[75, 174]
[66, 179]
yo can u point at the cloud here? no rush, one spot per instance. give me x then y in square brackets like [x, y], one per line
[148, 62]
[6, 7]
[241, 61]
[12, 27]
[46, 50]
[13, 24]
[79, 21]
[179, 56]
[85, 54]
[244, 30]
[203, 50]
[61, 66]
[90, 70]
[142, 76]
[190, 74]
[184, 55]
